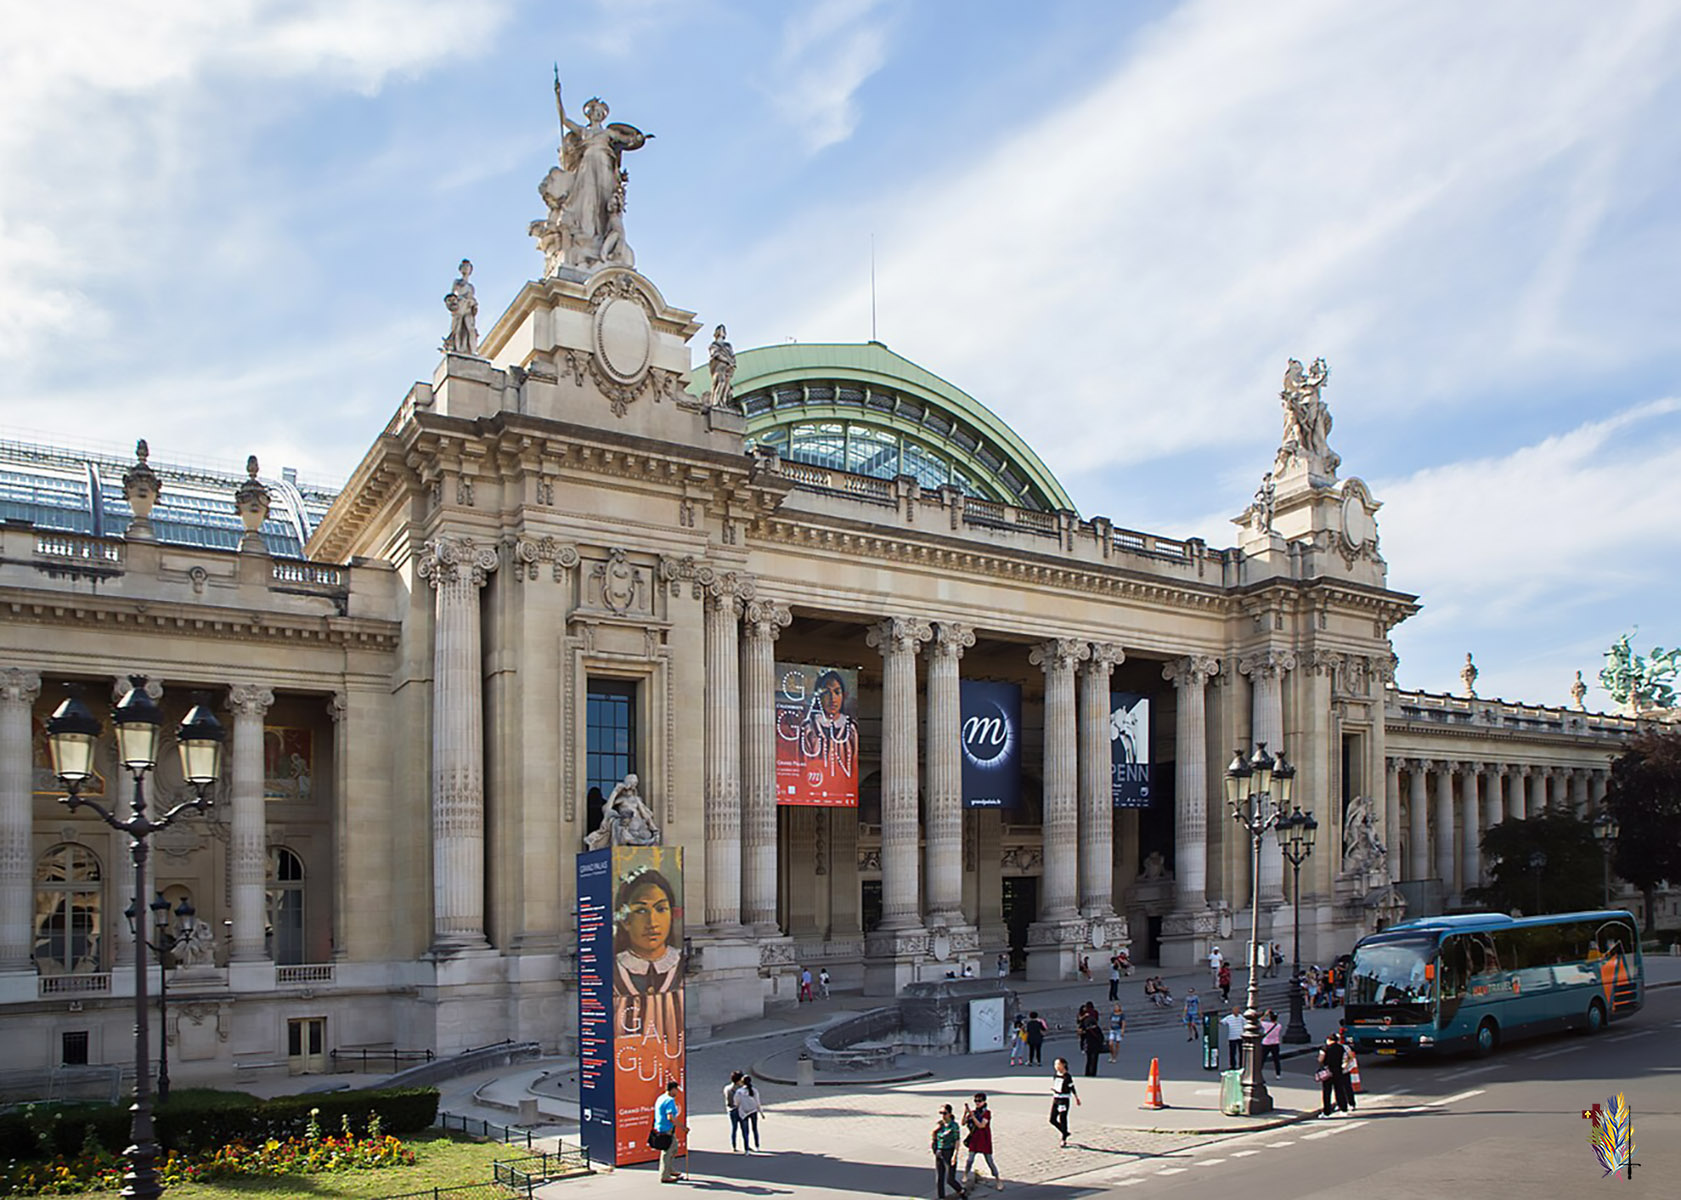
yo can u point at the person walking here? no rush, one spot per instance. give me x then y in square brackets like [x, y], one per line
[1272, 1043]
[1092, 1041]
[1117, 1030]
[1114, 978]
[805, 983]
[1345, 1085]
[944, 1144]
[1036, 1030]
[1232, 1024]
[664, 1137]
[749, 1105]
[1062, 1091]
[1330, 1075]
[1193, 1015]
[1215, 961]
[730, 1090]
[1018, 1042]
[978, 1121]
[1003, 965]
[823, 982]
[1224, 978]
[1273, 959]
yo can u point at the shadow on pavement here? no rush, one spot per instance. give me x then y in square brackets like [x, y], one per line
[779, 1172]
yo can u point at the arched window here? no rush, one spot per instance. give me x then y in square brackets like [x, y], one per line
[285, 907]
[68, 890]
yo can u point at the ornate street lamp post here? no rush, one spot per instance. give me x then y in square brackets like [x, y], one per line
[165, 944]
[72, 733]
[1296, 833]
[1605, 828]
[1249, 794]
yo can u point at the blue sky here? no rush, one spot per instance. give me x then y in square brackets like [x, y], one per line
[226, 227]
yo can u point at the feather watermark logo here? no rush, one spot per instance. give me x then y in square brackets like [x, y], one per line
[1613, 1135]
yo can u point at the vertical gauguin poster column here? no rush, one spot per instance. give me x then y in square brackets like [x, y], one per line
[648, 973]
[595, 1003]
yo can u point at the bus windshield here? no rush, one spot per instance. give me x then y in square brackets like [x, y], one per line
[1393, 972]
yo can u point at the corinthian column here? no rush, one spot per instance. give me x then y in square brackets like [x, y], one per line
[1470, 852]
[898, 639]
[457, 568]
[247, 836]
[1444, 827]
[945, 774]
[1516, 805]
[1266, 671]
[18, 689]
[1418, 828]
[765, 619]
[1190, 780]
[1059, 658]
[725, 598]
[1097, 803]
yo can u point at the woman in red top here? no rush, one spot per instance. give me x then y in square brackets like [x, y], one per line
[978, 1121]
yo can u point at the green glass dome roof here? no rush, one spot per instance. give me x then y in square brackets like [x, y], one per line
[862, 408]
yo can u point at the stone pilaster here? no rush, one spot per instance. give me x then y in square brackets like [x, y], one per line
[1598, 783]
[1190, 676]
[1444, 826]
[1579, 793]
[765, 619]
[1493, 810]
[457, 569]
[248, 832]
[1392, 800]
[1470, 851]
[726, 597]
[894, 950]
[1266, 672]
[1097, 805]
[18, 690]
[1054, 940]
[944, 830]
[1517, 783]
[1418, 827]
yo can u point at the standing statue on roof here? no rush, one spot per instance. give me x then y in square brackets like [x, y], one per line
[721, 360]
[1307, 420]
[463, 308]
[585, 195]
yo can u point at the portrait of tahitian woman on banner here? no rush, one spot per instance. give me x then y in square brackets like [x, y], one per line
[817, 737]
[648, 966]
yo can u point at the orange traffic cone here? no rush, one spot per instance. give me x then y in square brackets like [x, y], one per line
[1153, 1089]
[1354, 1071]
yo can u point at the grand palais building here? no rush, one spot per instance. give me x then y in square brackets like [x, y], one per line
[571, 557]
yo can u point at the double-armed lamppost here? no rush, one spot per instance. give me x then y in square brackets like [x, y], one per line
[164, 944]
[1605, 829]
[1249, 788]
[72, 734]
[1296, 833]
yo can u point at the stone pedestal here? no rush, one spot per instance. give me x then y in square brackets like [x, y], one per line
[894, 958]
[1187, 937]
[723, 984]
[1054, 947]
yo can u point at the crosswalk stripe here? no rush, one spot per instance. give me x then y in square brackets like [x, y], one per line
[1172, 1170]
[1243, 1153]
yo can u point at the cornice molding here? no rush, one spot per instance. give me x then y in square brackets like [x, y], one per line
[359, 633]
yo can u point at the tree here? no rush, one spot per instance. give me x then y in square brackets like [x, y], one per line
[1548, 863]
[1645, 798]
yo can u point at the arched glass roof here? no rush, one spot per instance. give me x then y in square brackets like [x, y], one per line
[864, 409]
[81, 491]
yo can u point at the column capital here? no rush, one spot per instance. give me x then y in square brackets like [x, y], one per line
[951, 639]
[1059, 654]
[249, 699]
[527, 553]
[19, 685]
[1194, 670]
[120, 685]
[763, 620]
[1105, 657]
[448, 558]
[731, 588]
[898, 635]
[1269, 663]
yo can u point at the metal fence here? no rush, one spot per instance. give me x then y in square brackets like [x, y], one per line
[524, 1174]
[365, 1061]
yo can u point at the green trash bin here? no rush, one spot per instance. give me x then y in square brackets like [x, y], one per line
[1210, 1042]
[1231, 1093]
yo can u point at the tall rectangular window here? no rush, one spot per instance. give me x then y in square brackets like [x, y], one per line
[609, 740]
[73, 1048]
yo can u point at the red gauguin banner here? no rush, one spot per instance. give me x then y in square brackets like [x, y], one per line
[816, 735]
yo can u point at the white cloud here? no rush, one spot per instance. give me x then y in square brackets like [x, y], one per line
[1537, 559]
[828, 50]
[1257, 181]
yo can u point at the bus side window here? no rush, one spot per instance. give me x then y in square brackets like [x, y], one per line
[1452, 982]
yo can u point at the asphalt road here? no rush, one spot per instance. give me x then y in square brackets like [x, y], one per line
[1507, 1126]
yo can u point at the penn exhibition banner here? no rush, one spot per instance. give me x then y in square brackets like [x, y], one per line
[1129, 749]
[991, 744]
[816, 735]
[631, 972]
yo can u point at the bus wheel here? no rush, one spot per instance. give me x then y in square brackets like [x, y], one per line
[1596, 1017]
[1488, 1037]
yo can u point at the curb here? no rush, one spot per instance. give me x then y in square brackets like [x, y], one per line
[759, 1072]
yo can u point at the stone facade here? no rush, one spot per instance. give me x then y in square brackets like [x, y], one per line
[391, 851]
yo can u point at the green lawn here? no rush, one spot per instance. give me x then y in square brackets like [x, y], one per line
[445, 1161]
